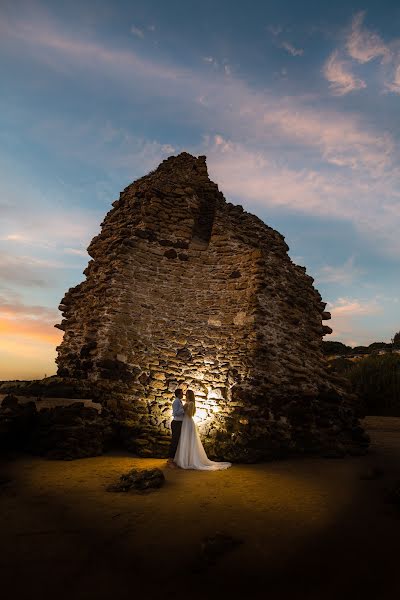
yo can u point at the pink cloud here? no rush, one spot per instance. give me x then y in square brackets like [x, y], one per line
[341, 80]
[364, 45]
[260, 180]
[292, 50]
[342, 274]
[46, 35]
[347, 320]
[351, 166]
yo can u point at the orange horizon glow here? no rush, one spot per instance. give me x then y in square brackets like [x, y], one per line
[27, 348]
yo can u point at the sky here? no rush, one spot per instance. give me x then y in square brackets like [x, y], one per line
[295, 105]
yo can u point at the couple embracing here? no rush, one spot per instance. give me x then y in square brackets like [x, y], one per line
[186, 450]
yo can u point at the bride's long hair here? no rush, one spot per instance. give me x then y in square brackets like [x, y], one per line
[191, 403]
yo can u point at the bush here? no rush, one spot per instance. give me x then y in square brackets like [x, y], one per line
[329, 348]
[376, 380]
[340, 365]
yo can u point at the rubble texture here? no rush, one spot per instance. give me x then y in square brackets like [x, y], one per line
[187, 289]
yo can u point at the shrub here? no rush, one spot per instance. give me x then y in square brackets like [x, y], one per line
[376, 380]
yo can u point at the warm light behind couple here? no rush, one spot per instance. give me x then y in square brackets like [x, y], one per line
[186, 450]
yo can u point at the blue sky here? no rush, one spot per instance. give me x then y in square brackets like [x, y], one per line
[295, 105]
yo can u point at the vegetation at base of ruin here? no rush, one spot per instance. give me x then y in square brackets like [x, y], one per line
[376, 381]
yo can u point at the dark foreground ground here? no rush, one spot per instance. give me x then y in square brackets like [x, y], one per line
[309, 529]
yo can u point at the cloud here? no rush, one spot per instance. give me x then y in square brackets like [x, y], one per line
[330, 163]
[26, 223]
[231, 103]
[342, 275]
[347, 319]
[364, 45]
[30, 271]
[274, 30]
[45, 35]
[21, 270]
[354, 307]
[28, 338]
[292, 50]
[394, 84]
[341, 80]
[12, 307]
[138, 32]
[78, 251]
[263, 181]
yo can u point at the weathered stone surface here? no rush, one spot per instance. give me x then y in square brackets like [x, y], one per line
[186, 289]
[139, 480]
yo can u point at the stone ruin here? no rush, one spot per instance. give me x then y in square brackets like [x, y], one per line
[186, 289]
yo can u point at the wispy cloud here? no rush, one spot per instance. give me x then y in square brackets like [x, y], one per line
[394, 84]
[12, 307]
[351, 165]
[86, 53]
[274, 30]
[263, 181]
[340, 137]
[342, 274]
[21, 271]
[341, 80]
[354, 307]
[364, 45]
[76, 251]
[292, 50]
[347, 319]
[361, 45]
[137, 31]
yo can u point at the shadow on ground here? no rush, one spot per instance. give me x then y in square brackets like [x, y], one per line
[306, 529]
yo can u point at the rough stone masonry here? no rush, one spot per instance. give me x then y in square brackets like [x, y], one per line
[187, 289]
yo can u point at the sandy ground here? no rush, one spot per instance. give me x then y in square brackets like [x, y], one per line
[310, 528]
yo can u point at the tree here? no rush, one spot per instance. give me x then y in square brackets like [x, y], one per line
[396, 340]
[360, 350]
[376, 381]
[330, 347]
[377, 345]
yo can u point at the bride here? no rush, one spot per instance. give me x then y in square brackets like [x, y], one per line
[190, 453]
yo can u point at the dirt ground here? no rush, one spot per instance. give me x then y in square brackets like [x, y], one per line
[309, 529]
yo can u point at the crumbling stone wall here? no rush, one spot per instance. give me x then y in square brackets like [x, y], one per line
[186, 288]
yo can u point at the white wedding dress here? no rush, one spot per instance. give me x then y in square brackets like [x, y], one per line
[190, 453]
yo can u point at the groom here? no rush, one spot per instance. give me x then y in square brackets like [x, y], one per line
[178, 413]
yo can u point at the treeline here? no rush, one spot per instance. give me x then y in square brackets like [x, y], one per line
[337, 348]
